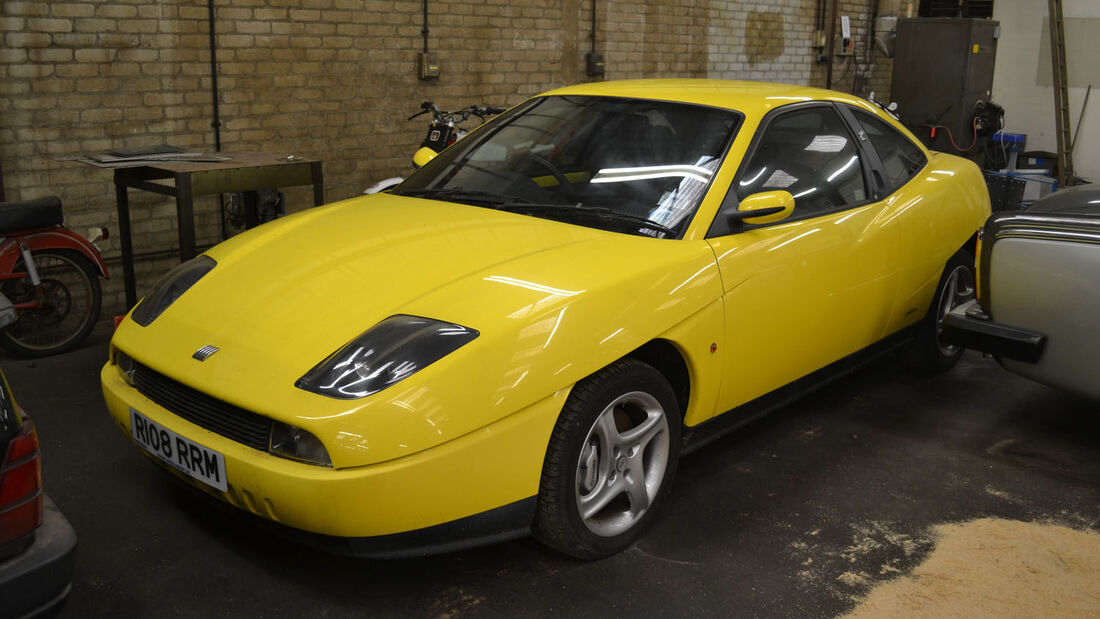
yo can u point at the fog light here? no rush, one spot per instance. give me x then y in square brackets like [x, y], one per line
[295, 443]
[126, 366]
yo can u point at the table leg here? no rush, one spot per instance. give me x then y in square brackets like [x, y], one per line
[318, 183]
[122, 202]
[185, 216]
[250, 201]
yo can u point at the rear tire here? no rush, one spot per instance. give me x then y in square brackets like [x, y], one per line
[610, 462]
[73, 295]
[928, 352]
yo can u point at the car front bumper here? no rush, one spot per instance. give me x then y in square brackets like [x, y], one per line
[37, 581]
[478, 487]
[968, 326]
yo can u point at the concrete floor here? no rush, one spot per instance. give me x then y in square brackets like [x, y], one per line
[764, 522]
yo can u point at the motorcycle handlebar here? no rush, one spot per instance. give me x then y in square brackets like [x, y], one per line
[481, 111]
[425, 107]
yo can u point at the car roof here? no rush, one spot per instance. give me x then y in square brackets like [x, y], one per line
[1079, 200]
[748, 97]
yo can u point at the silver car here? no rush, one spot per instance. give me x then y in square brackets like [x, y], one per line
[1039, 292]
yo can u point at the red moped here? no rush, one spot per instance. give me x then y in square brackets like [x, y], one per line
[50, 275]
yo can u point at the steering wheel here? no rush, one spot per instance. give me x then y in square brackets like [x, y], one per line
[567, 187]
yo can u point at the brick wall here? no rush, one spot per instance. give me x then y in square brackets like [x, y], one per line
[331, 79]
[866, 69]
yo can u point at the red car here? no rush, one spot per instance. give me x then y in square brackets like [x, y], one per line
[36, 541]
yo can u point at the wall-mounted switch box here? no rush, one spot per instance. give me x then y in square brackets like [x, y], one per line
[427, 66]
[844, 45]
[593, 64]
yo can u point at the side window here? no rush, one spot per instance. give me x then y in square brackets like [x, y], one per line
[810, 153]
[901, 160]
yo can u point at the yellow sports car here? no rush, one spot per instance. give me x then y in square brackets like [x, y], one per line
[525, 335]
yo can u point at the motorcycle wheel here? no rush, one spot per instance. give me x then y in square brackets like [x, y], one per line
[70, 284]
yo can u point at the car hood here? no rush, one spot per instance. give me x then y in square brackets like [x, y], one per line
[296, 290]
[1079, 200]
[286, 295]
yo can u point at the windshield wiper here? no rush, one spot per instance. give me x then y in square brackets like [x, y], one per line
[459, 194]
[597, 212]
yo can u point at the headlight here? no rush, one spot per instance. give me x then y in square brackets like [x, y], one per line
[389, 352]
[126, 366]
[170, 287]
[294, 443]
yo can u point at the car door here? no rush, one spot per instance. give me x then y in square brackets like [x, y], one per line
[909, 215]
[810, 289]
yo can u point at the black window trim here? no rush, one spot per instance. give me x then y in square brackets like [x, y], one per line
[874, 172]
[869, 147]
[720, 227]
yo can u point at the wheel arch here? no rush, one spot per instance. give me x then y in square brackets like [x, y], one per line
[971, 244]
[65, 239]
[667, 359]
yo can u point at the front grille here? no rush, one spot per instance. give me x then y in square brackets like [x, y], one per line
[200, 409]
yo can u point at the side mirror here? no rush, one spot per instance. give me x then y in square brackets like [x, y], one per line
[763, 208]
[424, 155]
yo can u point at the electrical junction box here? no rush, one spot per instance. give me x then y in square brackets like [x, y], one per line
[593, 63]
[428, 66]
[843, 47]
[844, 43]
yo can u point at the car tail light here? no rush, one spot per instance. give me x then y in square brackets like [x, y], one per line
[20, 486]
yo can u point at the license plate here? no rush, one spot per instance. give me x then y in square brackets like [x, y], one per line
[183, 454]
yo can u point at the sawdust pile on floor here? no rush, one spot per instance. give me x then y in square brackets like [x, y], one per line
[997, 568]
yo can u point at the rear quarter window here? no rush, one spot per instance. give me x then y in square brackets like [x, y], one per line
[901, 159]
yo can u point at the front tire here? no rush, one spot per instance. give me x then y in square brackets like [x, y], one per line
[929, 352]
[610, 462]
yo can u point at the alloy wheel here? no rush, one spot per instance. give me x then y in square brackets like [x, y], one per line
[622, 463]
[957, 289]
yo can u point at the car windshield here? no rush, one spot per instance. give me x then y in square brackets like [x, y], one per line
[627, 165]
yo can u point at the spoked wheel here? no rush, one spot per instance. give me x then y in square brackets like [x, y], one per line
[929, 351]
[67, 309]
[610, 462]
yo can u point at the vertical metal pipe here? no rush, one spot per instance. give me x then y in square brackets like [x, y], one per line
[217, 124]
[829, 43]
[592, 35]
[424, 30]
[871, 31]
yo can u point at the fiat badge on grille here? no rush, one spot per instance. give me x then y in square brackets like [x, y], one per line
[205, 352]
